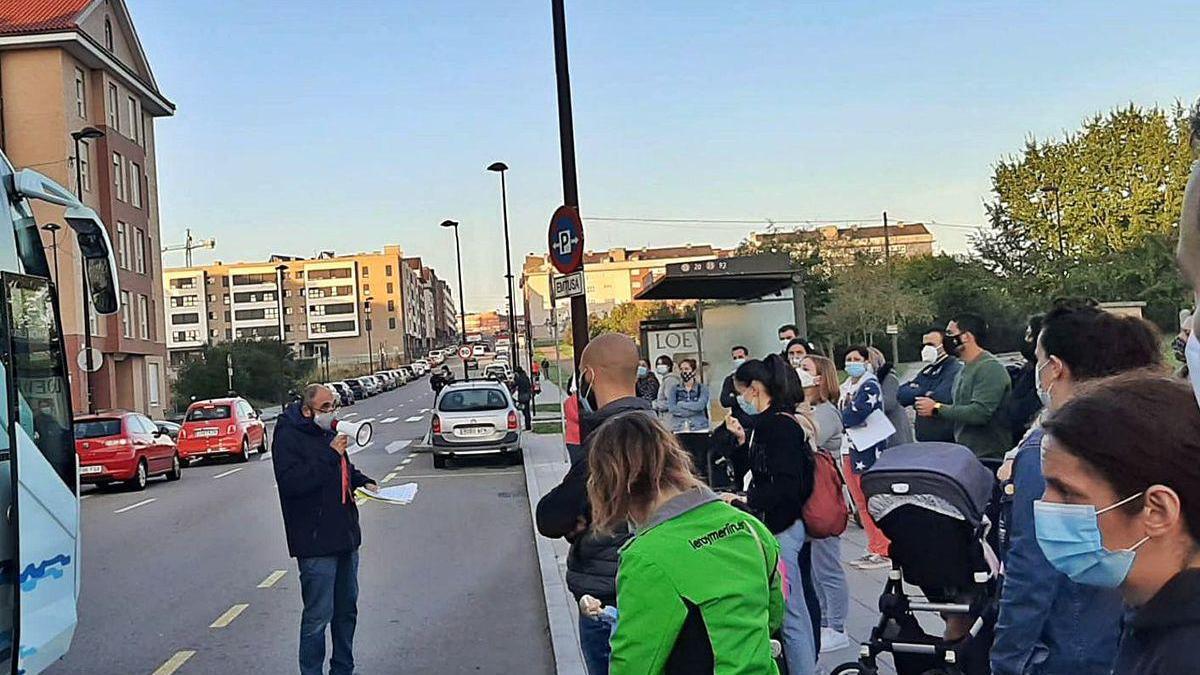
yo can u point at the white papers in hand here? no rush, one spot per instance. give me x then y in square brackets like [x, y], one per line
[396, 494]
[876, 429]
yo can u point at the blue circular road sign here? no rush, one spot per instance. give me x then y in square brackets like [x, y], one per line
[566, 240]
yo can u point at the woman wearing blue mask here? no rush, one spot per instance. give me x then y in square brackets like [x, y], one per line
[647, 383]
[779, 482]
[861, 396]
[1049, 623]
[1122, 510]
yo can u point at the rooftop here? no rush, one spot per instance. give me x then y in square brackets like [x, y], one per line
[39, 16]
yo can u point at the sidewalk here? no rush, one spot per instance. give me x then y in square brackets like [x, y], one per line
[546, 464]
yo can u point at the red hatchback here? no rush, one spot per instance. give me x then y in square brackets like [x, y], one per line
[221, 427]
[123, 446]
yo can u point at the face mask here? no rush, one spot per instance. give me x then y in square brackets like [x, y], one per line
[325, 420]
[783, 342]
[662, 369]
[686, 377]
[1192, 352]
[954, 343]
[929, 353]
[643, 371]
[746, 406]
[1044, 395]
[587, 397]
[806, 378]
[737, 363]
[856, 369]
[1069, 536]
[795, 361]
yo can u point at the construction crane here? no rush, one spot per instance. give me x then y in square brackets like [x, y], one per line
[190, 245]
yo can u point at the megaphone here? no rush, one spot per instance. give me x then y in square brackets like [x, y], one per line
[359, 432]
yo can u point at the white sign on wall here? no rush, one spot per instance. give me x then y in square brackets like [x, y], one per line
[677, 343]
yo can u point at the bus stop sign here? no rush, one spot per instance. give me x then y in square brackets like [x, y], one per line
[566, 240]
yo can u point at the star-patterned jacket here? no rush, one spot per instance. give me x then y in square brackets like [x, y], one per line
[858, 401]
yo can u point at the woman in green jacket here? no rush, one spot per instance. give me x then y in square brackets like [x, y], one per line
[697, 586]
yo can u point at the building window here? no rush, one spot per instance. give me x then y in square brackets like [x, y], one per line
[225, 299]
[135, 185]
[366, 271]
[228, 317]
[108, 34]
[228, 333]
[145, 132]
[391, 289]
[80, 94]
[391, 305]
[85, 165]
[122, 245]
[119, 176]
[299, 274]
[391, 323]
[212, 333]
[131, 102]
[212, 316]
[126, 323]
[152, 374]
[288, 311]
[366, 288]
[114, 107]
[387, 270]
[212, 297]
[139, 250]
[143, 317]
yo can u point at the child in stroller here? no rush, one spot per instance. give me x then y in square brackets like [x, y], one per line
[930, 499]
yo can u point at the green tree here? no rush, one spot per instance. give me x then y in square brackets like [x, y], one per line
[816, 277]
[263, 370]
[866, 297]
[627, 317]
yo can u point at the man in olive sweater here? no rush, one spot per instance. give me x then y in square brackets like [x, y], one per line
[979, 392]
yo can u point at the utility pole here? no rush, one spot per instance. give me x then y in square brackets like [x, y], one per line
[566, 139]
[887, 257]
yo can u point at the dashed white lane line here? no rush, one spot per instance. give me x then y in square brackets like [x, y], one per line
[349, 415]
[406, 461]
[272, 578]
[424, 410]
[391, 410]
[229, 615]
[359, 448]
[396, 446]
[389, 476]
[415, 418]
[134, 506]
[228, 473]
[388, 420]
[172, 664]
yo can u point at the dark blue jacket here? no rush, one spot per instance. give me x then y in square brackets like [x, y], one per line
[317, 520]
[936, 381]
[1048, 624]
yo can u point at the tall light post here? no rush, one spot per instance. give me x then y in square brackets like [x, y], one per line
[79, 136]
[53, 229]
[280, 276]
[370, 349]
[500, 168]
[462, 311]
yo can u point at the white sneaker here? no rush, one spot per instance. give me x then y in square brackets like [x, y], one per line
[832, 640]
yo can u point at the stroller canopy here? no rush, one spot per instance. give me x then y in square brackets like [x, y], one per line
[948, 471]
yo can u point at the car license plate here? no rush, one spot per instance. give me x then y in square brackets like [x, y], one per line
[205, 433]
[85, 470]
[473, 431]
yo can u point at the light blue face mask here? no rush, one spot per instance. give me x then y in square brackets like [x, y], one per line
[1069, 536]
[856, 369]
[643, 371]
[746, 406]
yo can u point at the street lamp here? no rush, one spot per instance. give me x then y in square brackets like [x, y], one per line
[462, 311]
[500, 168]
[280, 272]
[53, 229]
[79, 136]
[370, 352]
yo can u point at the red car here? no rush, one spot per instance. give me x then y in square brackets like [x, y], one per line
[124, 446]
[221, 426]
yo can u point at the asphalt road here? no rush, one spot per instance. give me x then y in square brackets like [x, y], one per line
[193, 577]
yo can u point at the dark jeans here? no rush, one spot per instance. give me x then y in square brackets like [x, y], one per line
[329, 586]
[811, 599]
[527, 409]
[593, 640]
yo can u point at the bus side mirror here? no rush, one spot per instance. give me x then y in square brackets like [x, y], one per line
[100, 264]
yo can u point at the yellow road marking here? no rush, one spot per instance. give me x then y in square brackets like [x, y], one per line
[389, 476]
[172, 664]
[229, 615]
[272, 578]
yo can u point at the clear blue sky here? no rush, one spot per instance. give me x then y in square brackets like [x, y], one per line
[308, 125]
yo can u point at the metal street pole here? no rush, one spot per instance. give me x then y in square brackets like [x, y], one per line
[53, 229]
[78, 136]
[462, 308]
[370, 352]
[566, 137]
[887, 256]
[279, 280]
[501, 167]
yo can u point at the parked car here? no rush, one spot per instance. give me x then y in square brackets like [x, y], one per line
[169, 428]
[369, 385]
[399, 375]
[419, 368]
[479, 350]
[390, 377]
[498, 370]
[475, 417]
[437, 357]
[344, 393]
[502, 356]
[356, 387]
[221, 427]
[408, 373]
[124, 447]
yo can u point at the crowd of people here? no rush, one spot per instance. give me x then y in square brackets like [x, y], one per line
[1095, 520]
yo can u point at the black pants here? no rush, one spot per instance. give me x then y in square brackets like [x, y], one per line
[527, 409]
[810, 593]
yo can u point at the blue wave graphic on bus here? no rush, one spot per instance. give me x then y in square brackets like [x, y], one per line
[52, 569]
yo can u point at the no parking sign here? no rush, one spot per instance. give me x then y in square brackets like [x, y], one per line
[566, 240]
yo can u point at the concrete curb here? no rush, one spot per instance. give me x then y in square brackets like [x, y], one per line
[545, 465]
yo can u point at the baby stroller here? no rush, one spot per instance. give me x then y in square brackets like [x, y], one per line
[929, 499]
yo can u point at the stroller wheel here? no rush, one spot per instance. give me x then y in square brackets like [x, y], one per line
[853, 669]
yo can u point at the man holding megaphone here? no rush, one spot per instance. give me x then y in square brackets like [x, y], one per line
[316, 493]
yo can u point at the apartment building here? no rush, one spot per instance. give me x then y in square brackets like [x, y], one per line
[356, 309]
[66, 65]
[611, 277]
[840, 246]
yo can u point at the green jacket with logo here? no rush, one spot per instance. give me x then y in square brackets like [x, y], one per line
[698, 592]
